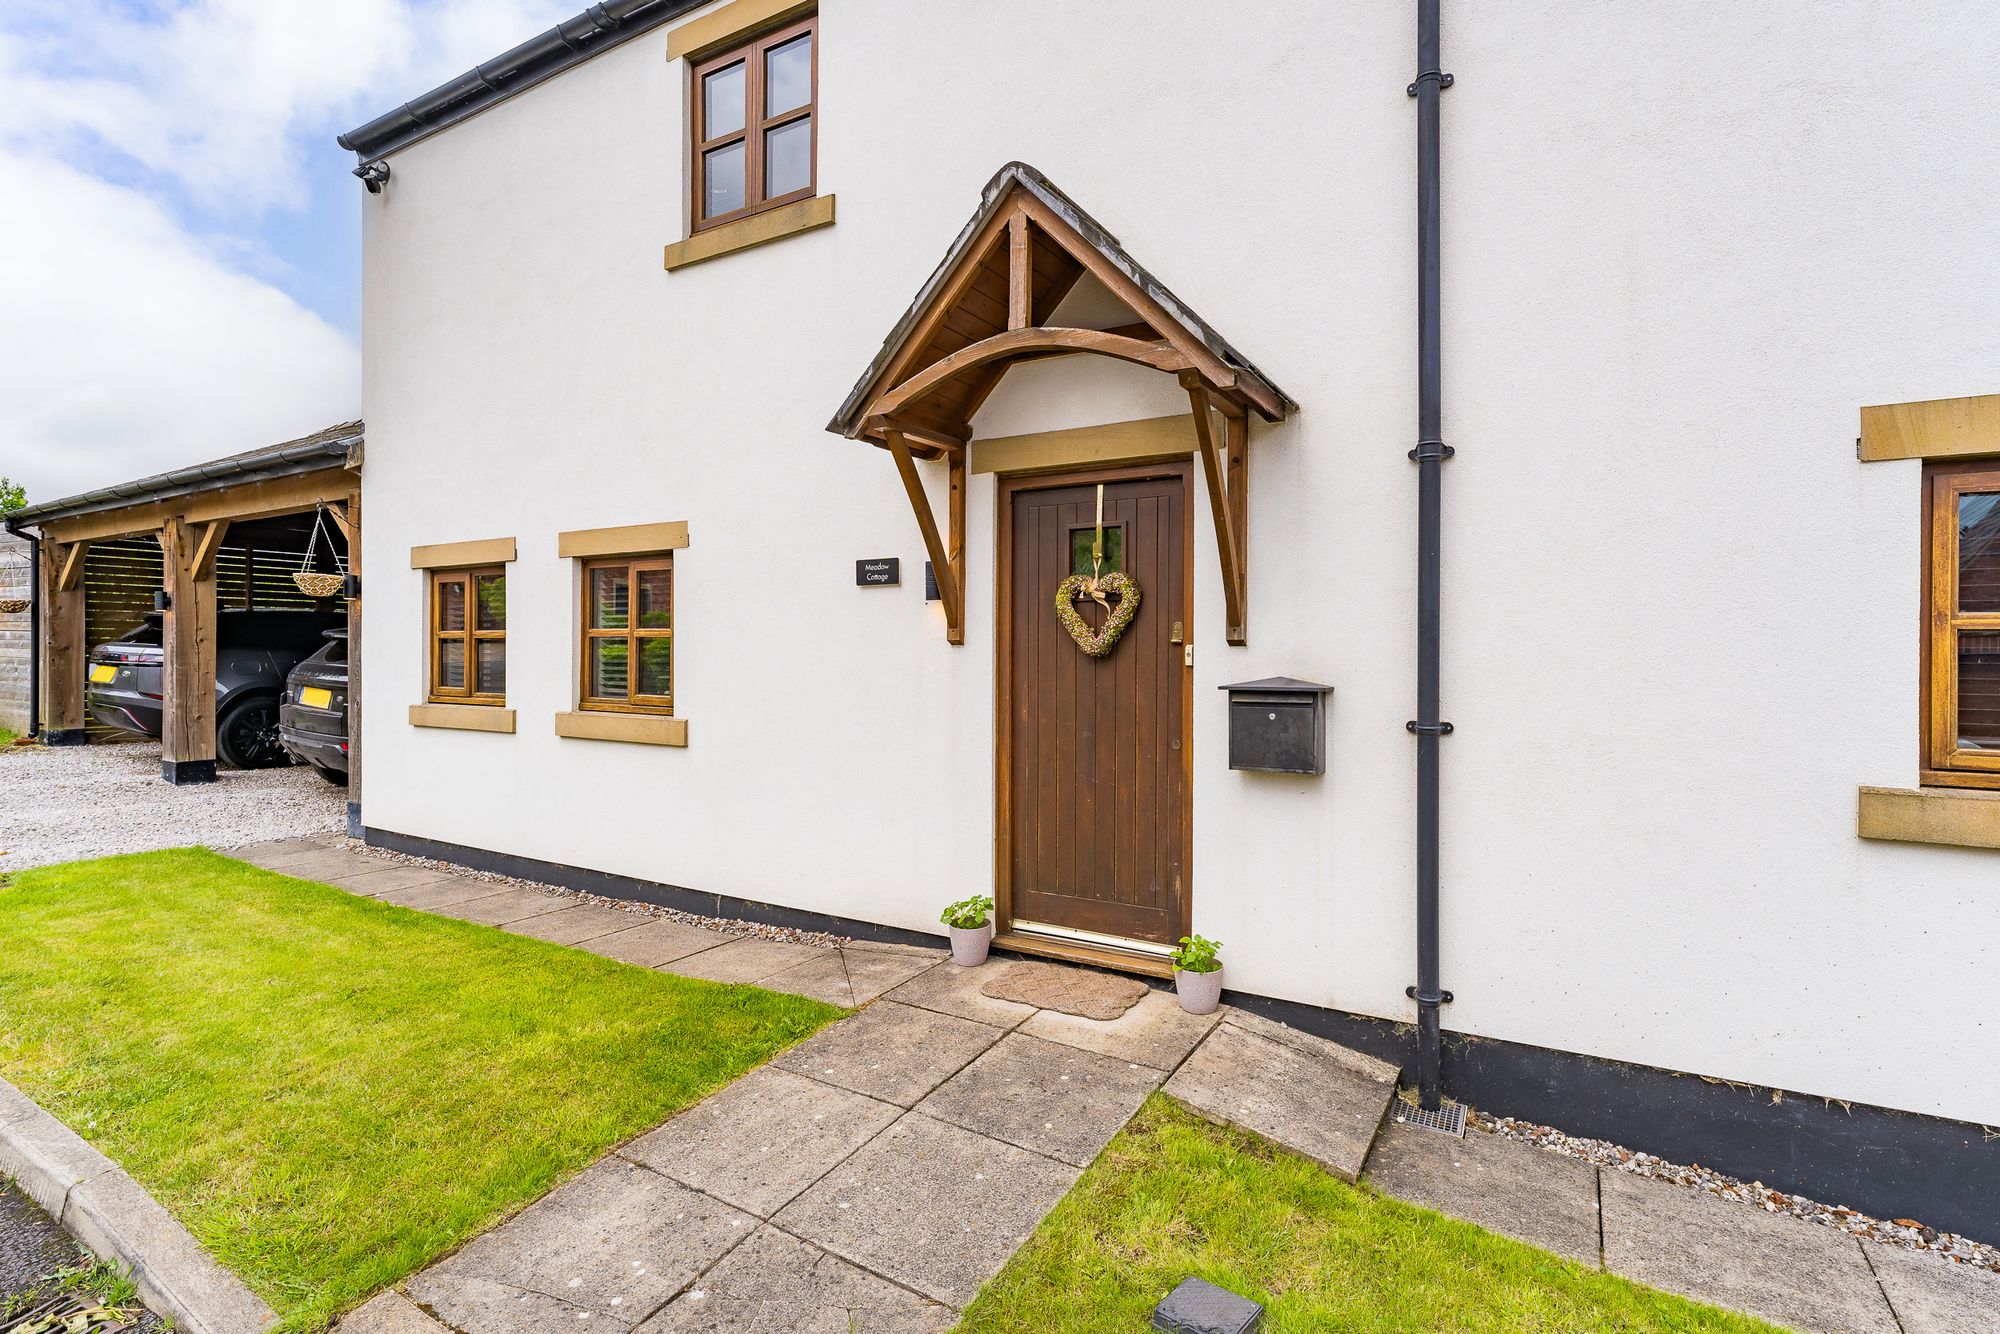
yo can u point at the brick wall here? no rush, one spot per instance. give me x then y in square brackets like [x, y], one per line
[16, 645]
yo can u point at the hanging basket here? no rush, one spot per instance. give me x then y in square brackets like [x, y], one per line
[318, 585]
[12, 605]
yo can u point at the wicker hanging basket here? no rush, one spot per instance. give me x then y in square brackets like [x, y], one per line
[12, 605]
[320, 583]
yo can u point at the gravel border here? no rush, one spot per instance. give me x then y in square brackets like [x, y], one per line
[1907, 1233]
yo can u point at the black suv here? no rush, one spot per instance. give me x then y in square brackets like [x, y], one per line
[312, 717]
[254, 651]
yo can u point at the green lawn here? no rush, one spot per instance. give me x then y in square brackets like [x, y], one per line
[1173, 1196]
[330, 1091]
[7, 738]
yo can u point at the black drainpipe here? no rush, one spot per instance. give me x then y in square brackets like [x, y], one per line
[34, 629]
[1430, 454]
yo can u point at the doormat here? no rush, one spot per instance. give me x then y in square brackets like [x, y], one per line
[1077, 991]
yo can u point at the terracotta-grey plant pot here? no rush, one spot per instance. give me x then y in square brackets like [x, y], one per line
[1200, 993]
[969, 944]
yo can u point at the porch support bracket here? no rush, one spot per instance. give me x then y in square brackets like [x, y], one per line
[1225, 469]
[947, 561]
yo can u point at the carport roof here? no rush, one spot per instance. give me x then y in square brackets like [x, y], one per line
[336, 446]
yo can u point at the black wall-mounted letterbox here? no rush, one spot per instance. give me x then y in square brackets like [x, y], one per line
[1278, 725]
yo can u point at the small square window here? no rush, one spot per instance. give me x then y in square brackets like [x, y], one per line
[1081, 558]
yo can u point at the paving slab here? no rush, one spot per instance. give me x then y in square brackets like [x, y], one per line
[762, 1140]
[1374, 1067]
[655, 942]
[571, 926]
[509, 905]
[896, 1053]
[949, 989]
[377, 879]
[848, 977]
[278, 852]
[474, 1304]
[777, 1284]
[1040, 1095]
[1311, 1104]
[114, 1217]
[618, 1240]
[441, 893]
[932, 952]
[1502, 1185]
[325, 866]
[872, 972]
[1155, 1032]
[745, 959]
[1932, 1295]
[931, 1206]
[389, 1313]
[1732, 1254]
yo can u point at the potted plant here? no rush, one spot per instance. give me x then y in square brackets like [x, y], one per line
[1198, 974]
[970, 924]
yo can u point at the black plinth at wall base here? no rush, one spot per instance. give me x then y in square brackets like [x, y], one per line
[66, 736]
[354, 819]
[183, 772]
[1198, 1307]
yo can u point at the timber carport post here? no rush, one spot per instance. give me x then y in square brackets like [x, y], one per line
[189, 511]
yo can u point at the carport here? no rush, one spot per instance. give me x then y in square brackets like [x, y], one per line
[240, 522]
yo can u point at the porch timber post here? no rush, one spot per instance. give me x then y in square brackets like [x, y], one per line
[950, 591]
[1222, 504]
[187, 636]
[63, 602]
[350, 525]
[1020, 272]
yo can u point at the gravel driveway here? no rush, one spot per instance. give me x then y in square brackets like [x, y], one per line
[92, 801]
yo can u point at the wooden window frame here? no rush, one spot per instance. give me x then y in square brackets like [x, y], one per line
[633, 635]
[471, 636]
[1943, 763]
[755, 126]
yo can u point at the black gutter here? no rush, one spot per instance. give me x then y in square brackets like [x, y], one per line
[264, 465]
[569, 43]
[1429, 455]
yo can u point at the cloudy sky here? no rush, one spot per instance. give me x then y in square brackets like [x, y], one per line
[179, 234]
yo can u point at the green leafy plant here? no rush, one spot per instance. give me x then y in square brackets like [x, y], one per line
[1196, 954]
[968, 914]
[13, 496]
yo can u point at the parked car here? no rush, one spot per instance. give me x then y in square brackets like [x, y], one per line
[254, 652]
[312, 717]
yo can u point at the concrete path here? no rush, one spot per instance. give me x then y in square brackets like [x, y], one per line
[874, 1177]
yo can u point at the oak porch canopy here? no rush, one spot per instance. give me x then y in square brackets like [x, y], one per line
[990, 305]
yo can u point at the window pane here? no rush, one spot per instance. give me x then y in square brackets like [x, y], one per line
[610, 599]
[491, 655]
[608, 668]
[656, 588]
[723, 101]
[1979, 552]
[451, 665]
[656, 667]
[1079, 549]
[490, 591]
[788, 76]
[1978, 691]
[788, 158]
[722, 178]
[451, 605]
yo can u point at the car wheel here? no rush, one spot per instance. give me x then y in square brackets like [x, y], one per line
[247, 736]
[333, 776]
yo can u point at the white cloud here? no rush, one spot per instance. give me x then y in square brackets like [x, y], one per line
[139, 151]
[126, 348]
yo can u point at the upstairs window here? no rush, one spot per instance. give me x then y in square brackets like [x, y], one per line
[1962, 618]
[753, 125]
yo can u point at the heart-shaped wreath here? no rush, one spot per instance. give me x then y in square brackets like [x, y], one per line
[1097, 643]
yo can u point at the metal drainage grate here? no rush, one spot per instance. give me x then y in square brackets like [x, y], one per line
[1448, 1119]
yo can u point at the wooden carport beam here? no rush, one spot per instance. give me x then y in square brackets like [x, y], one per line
[187, 637]
[1224, 470]
[947, 564]
[63, 648]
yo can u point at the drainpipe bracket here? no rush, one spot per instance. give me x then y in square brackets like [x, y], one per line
[1427, 450]
[1429, 729]
[1443, 80]
[1435, 998]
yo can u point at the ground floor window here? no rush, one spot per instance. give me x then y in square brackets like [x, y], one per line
[628, 634]
[1962, 625]
[469, 636]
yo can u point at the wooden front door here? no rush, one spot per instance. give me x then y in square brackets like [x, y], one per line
[1094, 814]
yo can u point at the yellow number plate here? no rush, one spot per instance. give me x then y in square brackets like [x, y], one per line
[314, 697]
[103, 672]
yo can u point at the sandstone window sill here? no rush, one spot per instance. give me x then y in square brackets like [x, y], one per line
[645, 729]
[462, 717]
[757, 229]
[1946, 816]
